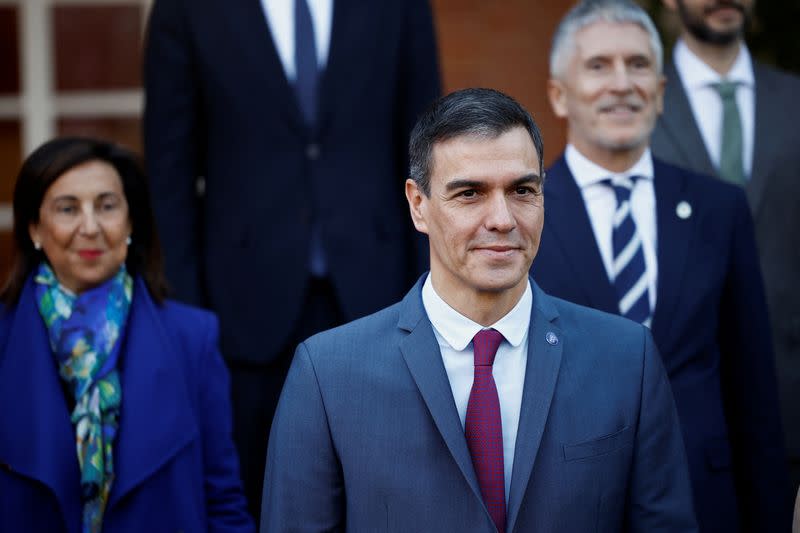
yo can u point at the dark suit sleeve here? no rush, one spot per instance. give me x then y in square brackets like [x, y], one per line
[173, 132]
[660, 494]
[303, 485]
[225, 502]
[419, 86]
[749, 386]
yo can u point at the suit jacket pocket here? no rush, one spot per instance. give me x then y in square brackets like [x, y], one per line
[599, 446]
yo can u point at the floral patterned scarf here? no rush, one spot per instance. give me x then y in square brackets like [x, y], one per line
[84, 331]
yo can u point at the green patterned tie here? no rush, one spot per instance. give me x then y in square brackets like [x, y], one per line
[731, 167]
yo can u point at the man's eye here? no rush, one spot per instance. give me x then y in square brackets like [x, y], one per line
[469, 193]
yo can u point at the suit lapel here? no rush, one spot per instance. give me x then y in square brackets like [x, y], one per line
[248, 25]
[767, 114]
[541, 375]
[156, 421]
[674, 237]
[37, 414]
[351, 19]
[678, 122]
[568, 220]
[423, 358]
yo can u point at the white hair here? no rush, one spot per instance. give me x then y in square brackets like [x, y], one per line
[589, 12]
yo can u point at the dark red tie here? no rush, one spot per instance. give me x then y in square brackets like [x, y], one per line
[484, 429]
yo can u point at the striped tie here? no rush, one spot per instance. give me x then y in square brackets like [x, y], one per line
[630, 275]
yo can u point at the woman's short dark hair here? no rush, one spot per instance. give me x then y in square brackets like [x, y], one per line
[43, 167]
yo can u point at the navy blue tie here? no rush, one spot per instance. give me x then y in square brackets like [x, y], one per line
[629, 270]
[305, 60]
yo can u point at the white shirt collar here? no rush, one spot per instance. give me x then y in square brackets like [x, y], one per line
[458, 330]
[587, 173]
[696, 74]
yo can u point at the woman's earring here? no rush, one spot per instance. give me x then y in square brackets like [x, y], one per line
[128, 240]
[37, 245]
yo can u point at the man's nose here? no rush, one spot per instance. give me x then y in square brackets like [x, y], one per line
[500, 217]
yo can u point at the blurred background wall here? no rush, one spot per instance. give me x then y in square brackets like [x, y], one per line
[74, 66]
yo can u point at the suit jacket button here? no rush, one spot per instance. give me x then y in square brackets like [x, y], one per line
[312, 151]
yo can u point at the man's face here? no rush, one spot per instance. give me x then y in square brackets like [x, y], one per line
[713, 21]
[610, 90]
[484, 214]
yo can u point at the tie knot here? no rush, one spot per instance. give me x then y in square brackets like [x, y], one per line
[622, 186]
[726, 89]
[484, 345]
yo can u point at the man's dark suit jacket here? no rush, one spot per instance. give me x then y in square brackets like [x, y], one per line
[710, 326]
[367, 436]
[773, 192]
[218, 105]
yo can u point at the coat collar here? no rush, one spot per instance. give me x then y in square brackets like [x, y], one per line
[675, 235]
[421, 353]
[680, 125]
[155, 421]
[568, 220]
[350, 18]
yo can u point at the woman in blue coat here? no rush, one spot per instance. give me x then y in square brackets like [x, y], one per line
[116, 411]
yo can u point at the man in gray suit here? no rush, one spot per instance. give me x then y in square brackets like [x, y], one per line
[730, 116]
[478, 403]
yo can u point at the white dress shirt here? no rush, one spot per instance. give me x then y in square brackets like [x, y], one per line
[280, 17]
[454, 332]
[697, 79]
[601, 202]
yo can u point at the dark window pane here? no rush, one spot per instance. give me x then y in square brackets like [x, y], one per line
[10, 157]
[9, 51]
[97, 47]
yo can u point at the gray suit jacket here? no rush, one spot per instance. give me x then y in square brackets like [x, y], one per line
[774, 196]
[367, 437]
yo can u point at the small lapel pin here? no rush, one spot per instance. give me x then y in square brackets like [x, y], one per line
[551, 338]
[683, 210]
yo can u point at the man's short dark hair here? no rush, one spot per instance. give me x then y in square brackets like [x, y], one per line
[481, 113]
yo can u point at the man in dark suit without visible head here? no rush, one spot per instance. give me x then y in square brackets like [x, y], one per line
[478, 403]
[692, 133]
[629, 234]
[297, 114]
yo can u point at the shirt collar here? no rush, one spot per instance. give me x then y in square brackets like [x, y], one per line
[458, 330]
[695, 74]
[587, 173]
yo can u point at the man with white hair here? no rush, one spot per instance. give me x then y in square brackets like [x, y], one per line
[629, 234]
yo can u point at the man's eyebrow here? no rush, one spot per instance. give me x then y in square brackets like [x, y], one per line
[528, 178]
[464, 184]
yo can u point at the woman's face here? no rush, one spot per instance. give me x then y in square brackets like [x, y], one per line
[84, 225]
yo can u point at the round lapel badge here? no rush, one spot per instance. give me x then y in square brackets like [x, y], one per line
[683, 210]
[551, 338]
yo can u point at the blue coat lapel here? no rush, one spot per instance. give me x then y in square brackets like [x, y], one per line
[247, 23]
[567, 219]
[421, 353]
[38, 424]
[156, 420]
[768, 113]
[674, 237]
[541, 375]
[423, 358]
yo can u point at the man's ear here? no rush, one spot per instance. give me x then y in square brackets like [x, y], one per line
[662, 84]
[557, 95]
[416, 205]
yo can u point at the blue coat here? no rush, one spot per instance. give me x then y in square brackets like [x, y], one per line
[711, 328]
[174, 460]
[367, 437]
